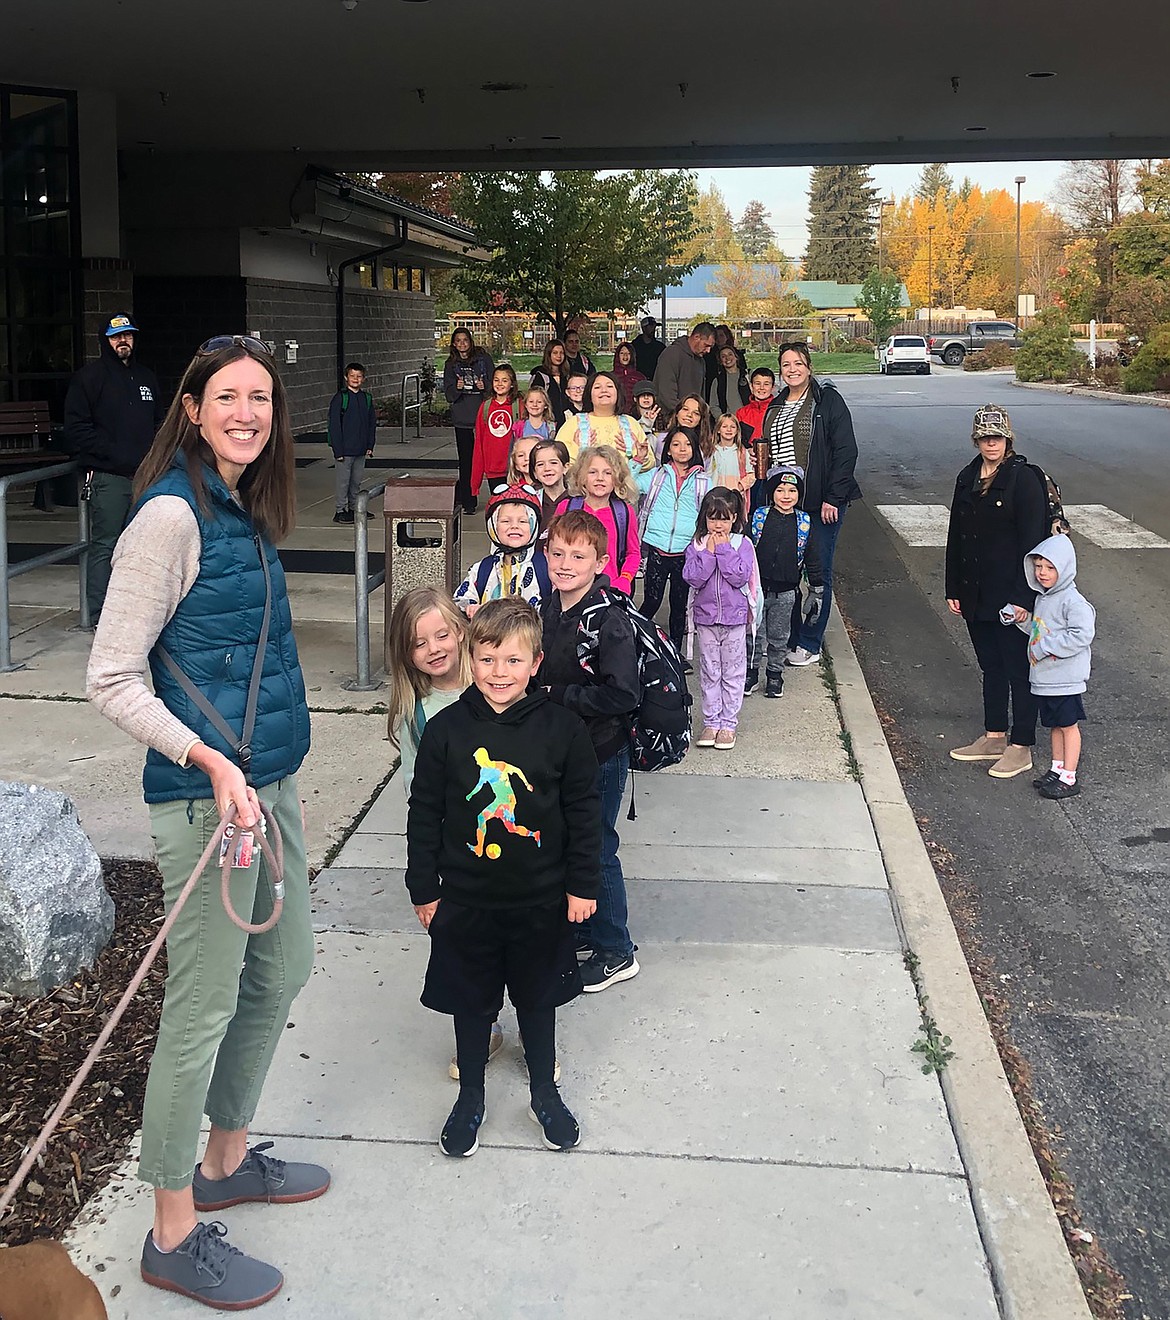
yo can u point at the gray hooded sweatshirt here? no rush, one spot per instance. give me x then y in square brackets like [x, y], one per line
[1061, 626]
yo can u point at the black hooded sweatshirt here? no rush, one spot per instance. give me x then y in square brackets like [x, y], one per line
[112, 411]
[531, 766]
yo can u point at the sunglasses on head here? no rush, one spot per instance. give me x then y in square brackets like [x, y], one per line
[216, 342]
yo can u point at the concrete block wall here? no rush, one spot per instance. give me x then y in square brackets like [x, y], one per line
[108, 288]
[389, 332]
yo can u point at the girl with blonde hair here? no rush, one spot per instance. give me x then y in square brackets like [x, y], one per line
[600, 482]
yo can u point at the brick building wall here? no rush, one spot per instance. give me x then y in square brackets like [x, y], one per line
[389, 332]
[108, 288]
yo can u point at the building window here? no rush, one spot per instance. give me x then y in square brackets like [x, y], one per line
[40, 264]
[403, 279]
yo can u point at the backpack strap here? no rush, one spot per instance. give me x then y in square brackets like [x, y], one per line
[242, 745]
[651, 495]
[483, 572]
[582, 430]
[540, 567]
[621, 521]
[418, 723]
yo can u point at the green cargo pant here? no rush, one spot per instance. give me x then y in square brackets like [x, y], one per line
[220, 1026]
[110, 499]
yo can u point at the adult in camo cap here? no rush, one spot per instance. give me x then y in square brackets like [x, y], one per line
[998, 514]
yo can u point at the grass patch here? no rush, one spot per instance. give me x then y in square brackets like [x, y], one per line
[934, 1047]
[829, 679]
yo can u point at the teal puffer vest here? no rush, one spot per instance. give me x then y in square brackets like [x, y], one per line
[213, 636]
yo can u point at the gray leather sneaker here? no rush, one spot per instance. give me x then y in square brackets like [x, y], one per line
[208, 1269]
[260, 1178]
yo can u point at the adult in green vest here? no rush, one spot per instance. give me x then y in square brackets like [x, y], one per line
[198, 597]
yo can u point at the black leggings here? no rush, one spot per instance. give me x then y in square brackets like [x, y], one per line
[1003, 657]
[465, 447]
[661, 569]
[538, 1032]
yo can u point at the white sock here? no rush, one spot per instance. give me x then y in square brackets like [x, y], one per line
[1057, 767]
[1067, 776]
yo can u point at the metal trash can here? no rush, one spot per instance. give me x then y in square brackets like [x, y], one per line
[422, 539]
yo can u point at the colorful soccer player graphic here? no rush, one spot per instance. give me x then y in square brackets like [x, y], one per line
[497, 775]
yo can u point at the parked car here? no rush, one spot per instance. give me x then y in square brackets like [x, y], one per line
[903, 353]
[954, 348]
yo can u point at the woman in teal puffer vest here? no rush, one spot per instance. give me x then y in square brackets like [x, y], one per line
[198, 597]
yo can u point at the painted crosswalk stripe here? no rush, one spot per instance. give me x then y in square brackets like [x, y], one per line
[1108, 529]
[925, 526]
[918, 524]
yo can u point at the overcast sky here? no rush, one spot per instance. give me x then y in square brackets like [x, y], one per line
[785, 191]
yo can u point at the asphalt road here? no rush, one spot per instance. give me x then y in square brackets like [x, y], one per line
[1071, 900]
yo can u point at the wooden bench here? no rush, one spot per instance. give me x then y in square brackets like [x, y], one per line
[24, 428]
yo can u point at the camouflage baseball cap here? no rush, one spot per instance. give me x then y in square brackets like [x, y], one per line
[992, 420]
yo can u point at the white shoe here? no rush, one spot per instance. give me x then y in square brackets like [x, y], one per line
[800, 657]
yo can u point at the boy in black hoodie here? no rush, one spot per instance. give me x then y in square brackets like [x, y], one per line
[780, 530]
[503, 840]
[591, 667]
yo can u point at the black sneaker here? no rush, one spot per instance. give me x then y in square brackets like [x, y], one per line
[556, 1122]
[1059, 790]
[460, 1135]
[753, 682]
[688, 668]
[343, 517]
[775, 686]
[1046, 778]
[207, 1268]
[606, 969]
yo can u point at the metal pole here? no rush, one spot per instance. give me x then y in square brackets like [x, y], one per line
[361, 571]
[83, 525]
[929, 278]
[6, 665]
[1021, 179]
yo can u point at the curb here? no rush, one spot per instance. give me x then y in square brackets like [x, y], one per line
[1110, 396]
[1033, 1273]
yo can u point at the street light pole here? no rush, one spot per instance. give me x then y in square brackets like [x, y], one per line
[1021, 179]
[881, 235]
[929, 278]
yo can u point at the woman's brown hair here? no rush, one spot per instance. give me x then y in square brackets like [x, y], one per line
[559, 371]
[267, 488]
[795, 346]
[453, 352]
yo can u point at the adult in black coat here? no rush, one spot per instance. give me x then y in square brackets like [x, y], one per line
[113, 407]
[829, 484]
[999, 513]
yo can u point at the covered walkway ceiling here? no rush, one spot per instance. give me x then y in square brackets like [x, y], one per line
[458, 83]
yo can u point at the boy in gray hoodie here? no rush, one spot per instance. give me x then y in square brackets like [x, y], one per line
[1060, 629]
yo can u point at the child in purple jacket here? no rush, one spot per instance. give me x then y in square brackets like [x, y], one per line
[720, 568]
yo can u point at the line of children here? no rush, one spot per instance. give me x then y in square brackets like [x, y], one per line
[601, 484]
[1060, 631]
[504, 816]
[493, 430]
[720, 568]
[780, 532]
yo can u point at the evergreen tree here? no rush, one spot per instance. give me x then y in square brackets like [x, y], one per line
[841, 224]
[754, 232]
[932, 178]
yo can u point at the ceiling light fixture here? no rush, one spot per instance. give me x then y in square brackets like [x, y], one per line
[1043, 73]
[503, 87]
[349, 5]
[978, 128]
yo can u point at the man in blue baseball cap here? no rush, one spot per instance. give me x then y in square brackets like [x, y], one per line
[112, 410]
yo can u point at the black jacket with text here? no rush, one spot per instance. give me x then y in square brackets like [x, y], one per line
[112, 411]
[504, 807]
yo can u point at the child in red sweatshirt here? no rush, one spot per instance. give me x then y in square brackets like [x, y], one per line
[763, 388]
[493, 430]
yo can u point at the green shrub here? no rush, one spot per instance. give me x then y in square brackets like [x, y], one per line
[994, 355]
[1150, 369]
[1046, 349]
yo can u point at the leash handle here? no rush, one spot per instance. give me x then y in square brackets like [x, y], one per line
[275, 860]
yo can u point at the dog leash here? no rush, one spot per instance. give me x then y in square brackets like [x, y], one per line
[274, 856]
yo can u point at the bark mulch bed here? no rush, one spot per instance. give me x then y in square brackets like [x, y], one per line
[42, 1044]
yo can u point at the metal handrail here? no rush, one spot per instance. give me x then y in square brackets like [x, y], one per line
[8, 571]
[364, 582]
[415, 407]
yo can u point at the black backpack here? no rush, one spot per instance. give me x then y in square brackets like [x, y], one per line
[1058, 524]
[660, 727]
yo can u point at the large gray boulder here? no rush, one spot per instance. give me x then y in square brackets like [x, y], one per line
[55, 914]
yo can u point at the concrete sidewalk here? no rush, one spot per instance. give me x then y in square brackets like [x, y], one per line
[757, 1135]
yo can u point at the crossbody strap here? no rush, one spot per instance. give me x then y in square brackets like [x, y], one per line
[242, 746]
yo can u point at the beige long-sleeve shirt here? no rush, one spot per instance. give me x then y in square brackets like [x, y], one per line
[155, 564]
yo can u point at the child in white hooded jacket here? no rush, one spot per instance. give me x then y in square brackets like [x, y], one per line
[1060, 631]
